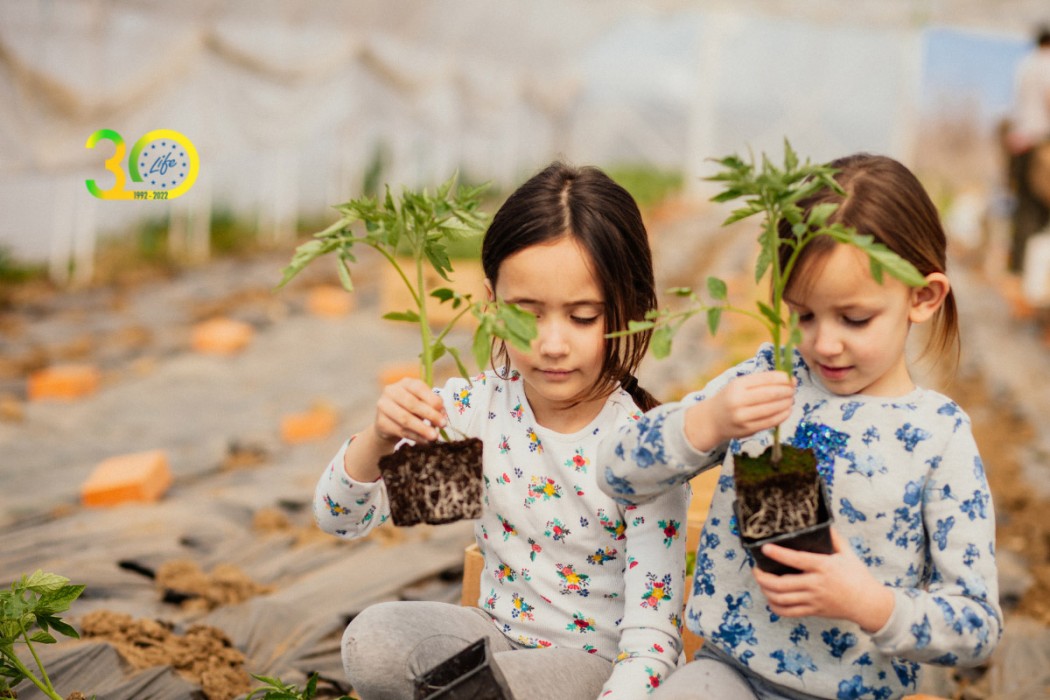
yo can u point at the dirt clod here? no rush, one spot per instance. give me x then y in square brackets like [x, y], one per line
[225, 585]
[204, 655]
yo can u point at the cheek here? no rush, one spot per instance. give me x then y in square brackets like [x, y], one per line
[596, 341]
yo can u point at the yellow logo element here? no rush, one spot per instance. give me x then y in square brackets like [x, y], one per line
[164, 161]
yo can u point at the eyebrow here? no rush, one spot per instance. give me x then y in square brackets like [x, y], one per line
[857, 306]
[572, 304]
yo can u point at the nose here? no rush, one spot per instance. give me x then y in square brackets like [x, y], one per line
[551, 340]
[826, 341]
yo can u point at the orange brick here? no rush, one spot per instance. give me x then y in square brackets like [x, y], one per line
[63, 382]
[221, 336]
[329, 300]
[135, 477]
[317, 423]
[396, 371]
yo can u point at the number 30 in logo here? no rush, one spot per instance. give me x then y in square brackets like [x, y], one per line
[164, 161]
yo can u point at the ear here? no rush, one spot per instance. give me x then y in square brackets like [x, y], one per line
[490, 294]
[925, 301]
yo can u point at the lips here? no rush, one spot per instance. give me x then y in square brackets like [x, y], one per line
[556, 374]
[834, 373]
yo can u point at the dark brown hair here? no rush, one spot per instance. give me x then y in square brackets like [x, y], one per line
[885, 200]
[587, 205]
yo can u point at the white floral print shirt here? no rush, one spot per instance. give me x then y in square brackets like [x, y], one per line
[565, 564]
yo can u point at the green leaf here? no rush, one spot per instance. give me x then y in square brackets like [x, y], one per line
[482, 345]
[444, 294]
[10, 630]
[742, 213]
[660, 343]
[460, 367]
[714, 316]
[42, 637]
[311, 687]
[681, 291]
[410, 316]
[818, 216]
[883, 257]
[762, 263]
[62, 628]
[717, 289]
[343, 267]
[768, 311]
[520, 325]
[437, 351]
[438, 258]
[41, 582]
[790, 157]
[728, 195]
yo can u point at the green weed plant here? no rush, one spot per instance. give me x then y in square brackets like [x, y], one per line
[28, 616]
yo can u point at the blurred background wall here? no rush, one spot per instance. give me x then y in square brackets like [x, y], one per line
[296, 105]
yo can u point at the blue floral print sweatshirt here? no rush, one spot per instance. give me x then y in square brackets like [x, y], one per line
[908, 492]
[565, 564]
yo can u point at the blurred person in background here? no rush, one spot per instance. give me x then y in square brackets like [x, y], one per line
[1028, 135]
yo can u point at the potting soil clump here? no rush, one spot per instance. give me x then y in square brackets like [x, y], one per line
[777, 499]
[435, 483]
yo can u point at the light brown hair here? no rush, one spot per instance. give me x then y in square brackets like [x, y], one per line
[885, 200]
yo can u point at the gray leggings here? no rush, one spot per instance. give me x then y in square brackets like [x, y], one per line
[713, 674]
[388, 644]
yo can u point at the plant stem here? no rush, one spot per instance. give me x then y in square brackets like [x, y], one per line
[47, 689]
[426, 357]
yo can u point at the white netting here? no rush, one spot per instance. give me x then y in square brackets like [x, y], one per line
[288, 103]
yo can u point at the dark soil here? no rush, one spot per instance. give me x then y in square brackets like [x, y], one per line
[777, 499]
[434, 483]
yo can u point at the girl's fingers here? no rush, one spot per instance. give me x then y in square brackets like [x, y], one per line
[409, 409]
[417, 398]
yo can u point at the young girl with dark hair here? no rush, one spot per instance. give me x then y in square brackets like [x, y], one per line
[580, 596]
[912, 578]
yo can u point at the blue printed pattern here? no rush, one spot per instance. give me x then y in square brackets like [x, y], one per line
[909, 495]
[565, 564]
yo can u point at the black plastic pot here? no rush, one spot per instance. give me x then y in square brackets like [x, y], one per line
[816, 538]
[469, 673]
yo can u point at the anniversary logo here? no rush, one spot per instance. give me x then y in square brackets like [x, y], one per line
[163, 164]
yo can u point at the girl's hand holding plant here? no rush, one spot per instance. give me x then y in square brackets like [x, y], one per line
[409, 409]
[747, 405]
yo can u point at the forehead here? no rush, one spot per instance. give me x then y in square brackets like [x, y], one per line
[841, 273]
[556, 272]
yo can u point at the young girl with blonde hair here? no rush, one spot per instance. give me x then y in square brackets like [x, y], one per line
[912, 579]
